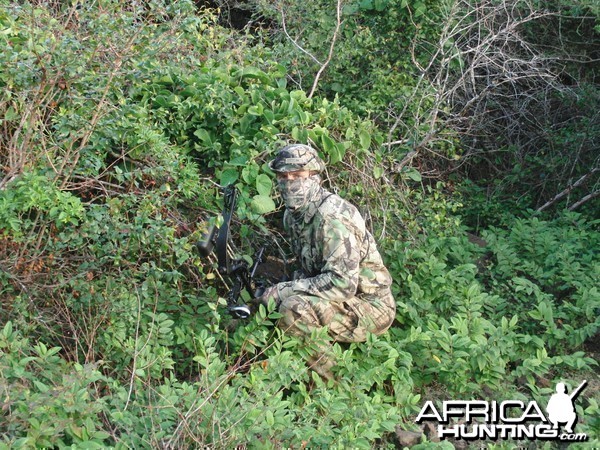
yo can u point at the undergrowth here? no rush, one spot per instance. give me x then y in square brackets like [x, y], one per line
[119, 123]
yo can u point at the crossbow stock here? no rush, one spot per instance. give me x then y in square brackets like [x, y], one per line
[238, 271]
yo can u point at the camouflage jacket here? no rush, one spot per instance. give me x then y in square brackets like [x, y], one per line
[337, 254]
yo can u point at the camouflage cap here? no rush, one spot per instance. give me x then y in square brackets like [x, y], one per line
[292, 158]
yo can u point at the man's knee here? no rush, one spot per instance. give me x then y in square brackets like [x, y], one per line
[298, 315]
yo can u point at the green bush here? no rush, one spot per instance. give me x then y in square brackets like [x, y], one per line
[120, 119]
[525, 311]
[47, 402]
[548, 271]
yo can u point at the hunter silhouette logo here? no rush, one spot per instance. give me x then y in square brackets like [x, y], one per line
[561, 407]
[510, 419]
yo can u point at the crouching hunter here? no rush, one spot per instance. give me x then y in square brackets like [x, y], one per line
[342, 283]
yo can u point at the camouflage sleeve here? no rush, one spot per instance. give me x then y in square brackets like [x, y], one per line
[339, 275]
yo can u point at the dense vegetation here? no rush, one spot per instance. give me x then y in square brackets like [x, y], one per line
[467, 132]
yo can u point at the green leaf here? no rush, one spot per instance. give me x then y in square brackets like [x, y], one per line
[101, 435]
[335, 151]
[413, 174]
[11, 114]
[203, 135]
[41, 386]
[166, 79]
[53, 351]
[381, 5]
[250, 173]
[365, 139]
[300, 135]
[419, 9]
[229, 176]
[264, 184]
[481, 362]
[328, 144]
[366, 5]
[256, 110]
[7, 331]
[253, 72]
[240, 161]
[269, 418]
[262, 204]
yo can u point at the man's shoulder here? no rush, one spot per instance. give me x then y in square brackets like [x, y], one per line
[332, 204]
[335, 207]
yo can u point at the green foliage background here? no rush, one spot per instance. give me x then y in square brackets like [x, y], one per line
[119, 121]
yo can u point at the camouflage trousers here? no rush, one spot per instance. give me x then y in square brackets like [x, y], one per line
[348, 320]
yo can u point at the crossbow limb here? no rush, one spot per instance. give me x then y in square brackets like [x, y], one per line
[238, 270]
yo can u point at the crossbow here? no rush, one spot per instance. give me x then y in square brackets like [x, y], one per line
[238, 271]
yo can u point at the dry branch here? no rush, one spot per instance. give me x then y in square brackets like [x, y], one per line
[491, 84]
[331, 47]
[585, 199]
[566, 192]
[323, 65]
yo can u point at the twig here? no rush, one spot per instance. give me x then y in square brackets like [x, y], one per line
[135, 352]
[585, 199]
[310, 55]
[566, 191]
[399, 142]
[331, 47]
[406, 160]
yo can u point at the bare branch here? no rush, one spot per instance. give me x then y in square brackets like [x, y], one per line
[399, 142]
[493, 88]
[293, 41]
[405, 161]
[566, 192]
[331, 47]
[585, 199]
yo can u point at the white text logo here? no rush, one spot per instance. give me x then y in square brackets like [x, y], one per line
[510, 419]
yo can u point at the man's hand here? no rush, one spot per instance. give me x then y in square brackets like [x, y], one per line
[270, 292]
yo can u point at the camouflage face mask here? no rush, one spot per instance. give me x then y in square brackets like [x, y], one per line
[297, 193]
